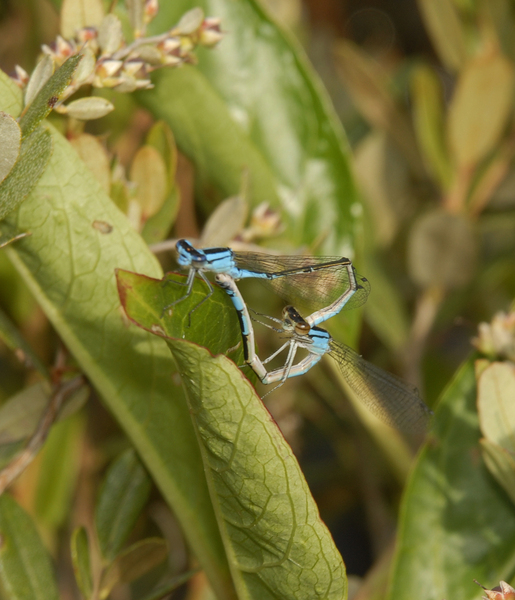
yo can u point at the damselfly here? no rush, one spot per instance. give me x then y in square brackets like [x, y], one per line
[394, 401]
[324, 284]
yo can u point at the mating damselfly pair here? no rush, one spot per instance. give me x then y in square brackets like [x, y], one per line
[326, 285]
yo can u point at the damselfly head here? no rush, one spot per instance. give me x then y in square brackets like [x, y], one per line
[187, 254]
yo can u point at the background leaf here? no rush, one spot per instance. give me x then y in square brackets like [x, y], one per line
[456, 523]
[81, 561]
[123, 495]
[288, 138]
[25, 567]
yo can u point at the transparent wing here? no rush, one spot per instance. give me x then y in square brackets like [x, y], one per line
[311, 291]
[394, 401]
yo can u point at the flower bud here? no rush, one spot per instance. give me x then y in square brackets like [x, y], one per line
[210, 32]
[497, 339]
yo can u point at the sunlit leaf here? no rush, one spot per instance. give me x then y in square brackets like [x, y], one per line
[269, 522]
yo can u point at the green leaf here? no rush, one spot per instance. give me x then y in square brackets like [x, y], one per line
[214, 325]
[445, 29]
[495, 394]
[428, 117]
[33, 159]
[163, 590]
[14, 340]
[501, 464]
[255, 103]
[277, 545]
[11, 96]
[487, 80]
[60, 466]
[124, 494]
[134, 562]
[81, 561]
[20, 414]
[69, 265]
[157, 226]
[25, 567]
[456, 523]
[148, 173]
[442, 250]
[48, 96]
[10, 134]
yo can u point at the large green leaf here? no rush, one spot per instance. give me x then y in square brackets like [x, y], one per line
[270, 524]
[25, 567]
[70, 267]
[457, 523]
[278, 547]
[254, 102]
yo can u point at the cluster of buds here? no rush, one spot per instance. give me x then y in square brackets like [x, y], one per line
[497, 339]
[108, 61]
